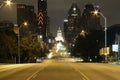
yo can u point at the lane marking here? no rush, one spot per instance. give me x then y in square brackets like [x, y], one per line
[84, 77]
[36, 73]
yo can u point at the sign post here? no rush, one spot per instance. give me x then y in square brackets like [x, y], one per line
[115, 48]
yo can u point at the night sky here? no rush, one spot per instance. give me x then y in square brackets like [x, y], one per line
[58, 10]
[110, 9]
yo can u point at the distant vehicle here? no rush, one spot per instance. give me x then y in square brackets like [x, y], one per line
[39, 60]
[78, 60]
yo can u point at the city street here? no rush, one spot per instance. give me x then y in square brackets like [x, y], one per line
[59, 40]
[59, 70]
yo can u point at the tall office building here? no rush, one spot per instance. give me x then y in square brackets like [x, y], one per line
[42, 19]
[72, 24]
[65, 28]
[89, 20]
[25, 13]
[48, 27]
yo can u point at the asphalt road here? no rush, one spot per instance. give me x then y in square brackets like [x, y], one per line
[60, 70]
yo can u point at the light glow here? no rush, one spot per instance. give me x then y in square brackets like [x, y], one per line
[8, 2]
[96, 12]
[74, 9]
[25, 23]
[50, 55]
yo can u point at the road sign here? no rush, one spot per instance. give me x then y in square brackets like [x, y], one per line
[105, 51]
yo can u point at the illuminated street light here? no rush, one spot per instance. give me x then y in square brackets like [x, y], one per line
[96, 12]
[25, 23]
[83, 33]
[17, 31]
[7, 2]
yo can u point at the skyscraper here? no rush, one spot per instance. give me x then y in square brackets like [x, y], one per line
[42, 18]
[21, 14]
[25, 13]
[72, 24]
[89, 20]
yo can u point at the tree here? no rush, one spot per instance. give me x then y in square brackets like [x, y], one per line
[30, 49]
[88, 46]
[8, 45]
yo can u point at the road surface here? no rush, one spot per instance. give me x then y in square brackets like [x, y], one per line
[60, 70]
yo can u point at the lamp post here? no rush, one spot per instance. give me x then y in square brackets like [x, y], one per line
[96, 12]
[19, 45]
[23, 24]
[17, 31]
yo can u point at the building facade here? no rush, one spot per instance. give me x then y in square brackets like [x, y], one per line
[42, 19]
[89, 20]
[72, 23]
[25, 13]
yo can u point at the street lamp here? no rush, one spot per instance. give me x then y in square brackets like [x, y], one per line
[96, 12]
[23, 24]
[7, 2]
[17, 31]
[83, 33]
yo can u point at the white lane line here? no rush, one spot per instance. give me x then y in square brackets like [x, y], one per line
[34, 74]
[84, 77]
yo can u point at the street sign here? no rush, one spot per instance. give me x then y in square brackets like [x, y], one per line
[115, 48]
[105, 51]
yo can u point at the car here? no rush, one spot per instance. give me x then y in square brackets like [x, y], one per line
[39, 60]
[78, 59]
